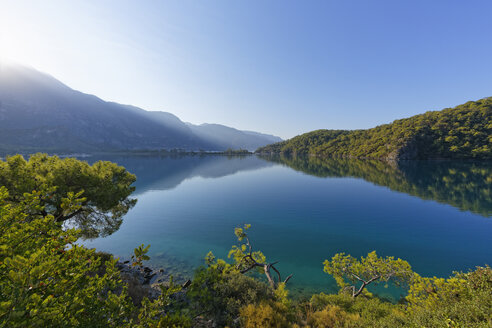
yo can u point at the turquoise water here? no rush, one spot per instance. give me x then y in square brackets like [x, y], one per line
[436, 215]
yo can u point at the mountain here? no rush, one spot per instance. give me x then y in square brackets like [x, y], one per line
[227, 137]
[462, 132]
[39, 113]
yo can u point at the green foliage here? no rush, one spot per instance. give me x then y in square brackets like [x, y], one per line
[139, 255]
[369, 270]
[218, 291]
[46, 279]
[245, 259]
[332, 316]
[155, 314]
[460, 132]
[265, 314]
[101, 190]
[463, 300]
[240, 252]
[359, 312]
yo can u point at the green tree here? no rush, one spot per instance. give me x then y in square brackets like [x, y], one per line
[46, 279]
[370, 269]
[102, 189]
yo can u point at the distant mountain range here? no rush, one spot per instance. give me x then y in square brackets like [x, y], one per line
[462, 132]
[40, 113]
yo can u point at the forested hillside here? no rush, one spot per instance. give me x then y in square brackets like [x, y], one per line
[461, 132]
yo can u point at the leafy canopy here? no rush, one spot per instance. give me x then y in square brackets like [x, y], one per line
[367, 270]
[46, 279]
[102, 189]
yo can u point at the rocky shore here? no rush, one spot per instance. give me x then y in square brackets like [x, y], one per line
[144, 281]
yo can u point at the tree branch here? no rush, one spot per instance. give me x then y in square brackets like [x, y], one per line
[278, 273]
[288, 278]
[62, 218]
[364, 284]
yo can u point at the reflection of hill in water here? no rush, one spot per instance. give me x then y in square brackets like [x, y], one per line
[464, 185]
[167, 172]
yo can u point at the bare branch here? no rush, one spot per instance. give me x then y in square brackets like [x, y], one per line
[278, 273]
[266, 268]
[357, 277]
[249, 268]
[252, 263]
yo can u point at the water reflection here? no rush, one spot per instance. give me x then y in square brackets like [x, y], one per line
[462, 184]
[163, 173]
[168, 172]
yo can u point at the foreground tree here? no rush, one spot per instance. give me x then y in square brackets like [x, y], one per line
[245, 259]
[102, 189]
[369, 270]
[46, 279]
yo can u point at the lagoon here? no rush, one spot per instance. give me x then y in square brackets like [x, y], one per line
[434, 214]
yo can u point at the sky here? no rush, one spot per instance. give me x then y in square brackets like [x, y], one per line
[279, 67]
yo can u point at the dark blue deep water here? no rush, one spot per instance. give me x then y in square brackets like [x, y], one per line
[436, 215]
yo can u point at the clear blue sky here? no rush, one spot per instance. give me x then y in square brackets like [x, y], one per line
[281, 67]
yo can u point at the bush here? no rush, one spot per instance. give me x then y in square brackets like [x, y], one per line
[463, 300]
[219, 295]
[264, 315]
[332, 316]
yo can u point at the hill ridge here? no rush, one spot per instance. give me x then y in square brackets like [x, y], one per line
[40, 113]
[463, 132]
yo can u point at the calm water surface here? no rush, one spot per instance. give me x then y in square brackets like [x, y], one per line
[436, 215]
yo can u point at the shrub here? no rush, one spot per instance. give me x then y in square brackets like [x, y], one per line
[332, 316]
[264, 315]
[219, 294]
